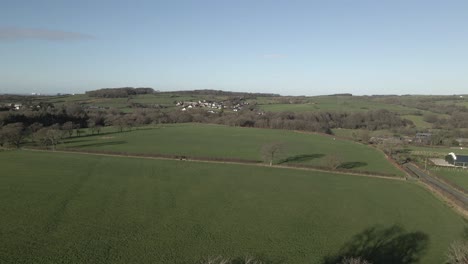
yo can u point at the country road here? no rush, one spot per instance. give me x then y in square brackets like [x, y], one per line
[447, 190]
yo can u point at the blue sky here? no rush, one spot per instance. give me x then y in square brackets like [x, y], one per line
[287, 47]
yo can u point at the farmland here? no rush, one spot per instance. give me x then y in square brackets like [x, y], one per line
[86, 209]
[215, 141]
[338, 103]
[458, 176]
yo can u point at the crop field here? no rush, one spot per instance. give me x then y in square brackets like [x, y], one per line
[74, 208]
[458, 176]
[215, 141]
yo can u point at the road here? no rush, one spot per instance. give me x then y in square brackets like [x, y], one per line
[447, 190]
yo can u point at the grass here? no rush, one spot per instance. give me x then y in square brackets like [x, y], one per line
[418, 121]
[338, 103]
[64, 208]
[458, 176]
[201, 140]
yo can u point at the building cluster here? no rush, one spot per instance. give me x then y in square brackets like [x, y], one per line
[419, 138]
[457, 160]
[211, 105]
[11, 106]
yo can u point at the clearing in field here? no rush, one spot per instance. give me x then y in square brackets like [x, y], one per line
[86, 209]
[215, 141]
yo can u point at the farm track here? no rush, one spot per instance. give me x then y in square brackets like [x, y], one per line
[219, 162]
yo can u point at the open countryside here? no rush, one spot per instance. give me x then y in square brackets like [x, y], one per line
[197, 181]
[119, 210]
[214, 141]
[234, 132]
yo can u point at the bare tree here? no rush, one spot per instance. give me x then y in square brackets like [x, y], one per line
[92, 126]
[458, 253]
[271, 151]
[33, 129]
[49, 136]
[79, 132]
[13, 134]
[333, 161]
[357, 260]
[68, 128]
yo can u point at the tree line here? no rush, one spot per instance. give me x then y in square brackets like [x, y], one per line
[123, 92]
[72, 118]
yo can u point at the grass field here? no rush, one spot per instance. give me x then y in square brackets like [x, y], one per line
[201, 140]
[64, 208]
[418, 121]
[456, 175]
[338, 103]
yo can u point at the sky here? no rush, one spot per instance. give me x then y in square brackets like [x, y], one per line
[286, 47]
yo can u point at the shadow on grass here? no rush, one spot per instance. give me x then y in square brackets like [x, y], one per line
[383, 246]
[101, 144]
[71, 141]
[115, 132]
[352, 165]
[301, 158]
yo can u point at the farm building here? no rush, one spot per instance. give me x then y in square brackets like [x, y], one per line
[457, 160]
[423, 138]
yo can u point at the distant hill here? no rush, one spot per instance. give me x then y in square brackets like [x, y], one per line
[119, 92]
[220, 92]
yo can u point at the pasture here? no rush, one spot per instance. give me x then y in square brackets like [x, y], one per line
[338, 103]
[75, 208]
[215, 141]
[458, 176]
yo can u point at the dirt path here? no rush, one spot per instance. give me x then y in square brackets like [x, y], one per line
[221, 162]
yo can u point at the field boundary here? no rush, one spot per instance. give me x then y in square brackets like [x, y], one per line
[242, 162]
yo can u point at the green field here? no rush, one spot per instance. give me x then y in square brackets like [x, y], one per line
[418, 121]
[64, 208]
[215, 141]
[338, 103]
[458, 176]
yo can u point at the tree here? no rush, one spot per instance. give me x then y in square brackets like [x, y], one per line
[68, 128]
[49, 136]
[333, 161]
[79, 132]
[271, 151]
[354, 261]
[92, 126]
[458, 253]
[120, 123]
[34, 128]
[13, 134]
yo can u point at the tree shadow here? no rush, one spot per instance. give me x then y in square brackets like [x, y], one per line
[71, 141]
[383, 246]
[301, 158]
[101, 144]
[352, 165]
